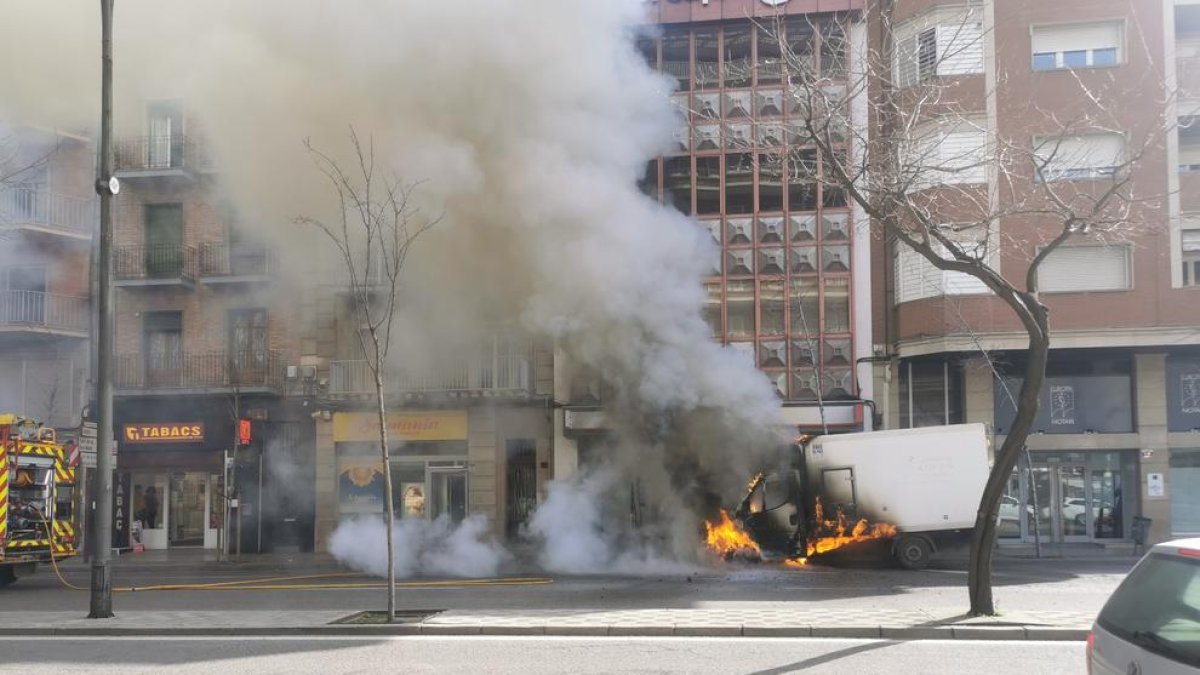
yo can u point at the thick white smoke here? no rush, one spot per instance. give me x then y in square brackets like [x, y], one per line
[422, 547]
[527, 123]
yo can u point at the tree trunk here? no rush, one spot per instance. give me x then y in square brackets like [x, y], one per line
[389, 517]
[983, 538]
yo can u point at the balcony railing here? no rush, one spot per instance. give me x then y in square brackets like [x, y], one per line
[44, 311]
[226, 260]
[155, 263]
[207, 370]
[43, 208]
[509, 373]
[149, 154]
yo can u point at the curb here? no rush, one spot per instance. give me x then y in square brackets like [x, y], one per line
[898, 633]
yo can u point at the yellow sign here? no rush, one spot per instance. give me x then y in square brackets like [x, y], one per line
[171, 432]
[444, 425]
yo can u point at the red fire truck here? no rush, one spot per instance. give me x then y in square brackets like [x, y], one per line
[38, 519]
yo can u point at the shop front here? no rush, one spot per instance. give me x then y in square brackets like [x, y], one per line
[429, 458]
[175, 483]
[1071, 497]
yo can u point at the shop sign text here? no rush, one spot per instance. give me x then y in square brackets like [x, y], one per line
[164, 432]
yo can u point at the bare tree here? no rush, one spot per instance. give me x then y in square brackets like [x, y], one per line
[886, 131]
[375, 228]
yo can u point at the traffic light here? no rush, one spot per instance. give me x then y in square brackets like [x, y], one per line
[244, 436]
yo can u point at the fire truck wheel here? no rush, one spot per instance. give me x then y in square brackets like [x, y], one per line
[7, 575]
[913, 552]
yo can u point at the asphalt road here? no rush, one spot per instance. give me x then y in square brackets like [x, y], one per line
[749, 656]
[1032, 585]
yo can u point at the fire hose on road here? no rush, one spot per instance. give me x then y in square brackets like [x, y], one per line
[280, 583]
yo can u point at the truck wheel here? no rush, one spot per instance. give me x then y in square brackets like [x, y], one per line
[913, 552]
[7, 575]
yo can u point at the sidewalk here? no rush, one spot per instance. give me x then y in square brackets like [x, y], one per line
[710, 622]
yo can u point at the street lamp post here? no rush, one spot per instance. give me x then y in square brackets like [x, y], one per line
[107, 187]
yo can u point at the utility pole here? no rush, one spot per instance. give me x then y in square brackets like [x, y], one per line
[107, 187]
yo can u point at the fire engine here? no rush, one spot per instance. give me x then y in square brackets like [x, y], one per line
[38, 519]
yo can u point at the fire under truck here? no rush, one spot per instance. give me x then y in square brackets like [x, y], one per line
[37, 497]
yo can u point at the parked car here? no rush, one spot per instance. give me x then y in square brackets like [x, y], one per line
[1151, 624]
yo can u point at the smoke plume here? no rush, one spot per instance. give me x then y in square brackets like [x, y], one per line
[527, 124]
[422, 547]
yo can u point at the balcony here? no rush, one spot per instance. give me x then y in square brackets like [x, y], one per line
[500, 375]
[157, 265]
[200, 373]
[34, 312]
[46, 212]
[222, 263]
[145, 157]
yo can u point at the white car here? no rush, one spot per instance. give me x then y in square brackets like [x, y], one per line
[1151, 624]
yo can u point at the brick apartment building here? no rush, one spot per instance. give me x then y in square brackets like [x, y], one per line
[47, 219]
[1119, 430]
[202, 340]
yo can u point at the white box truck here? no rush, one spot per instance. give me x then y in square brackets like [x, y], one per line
[924, 482]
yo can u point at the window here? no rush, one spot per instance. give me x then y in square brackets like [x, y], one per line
[917, 278]
[1185, 491]
[708, 185]
[952, 45]
[165, 130]
[931, 394]
[739, 184]
[1080, 157]
[712, 308]
[163, 237]
[740, 308]
[677, 183]
[1077, 45]
[162, 347]
[248, 339]
[1190, 243]
[1085, 268]
[737, 58]
[675, 49]
[952, 151]
[771, 309]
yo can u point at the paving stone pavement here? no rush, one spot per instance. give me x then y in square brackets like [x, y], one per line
[729, 622]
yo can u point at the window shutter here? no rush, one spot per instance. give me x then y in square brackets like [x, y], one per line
[916, 277]
[1084, 156]
[1077, 37]
[906, 60]
[962, 153]
[1085, 268]
[960, 46]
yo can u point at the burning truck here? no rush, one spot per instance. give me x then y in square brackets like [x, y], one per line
[914, 489]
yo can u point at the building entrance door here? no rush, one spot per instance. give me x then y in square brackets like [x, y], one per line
[1061, 503]
[448, 493]
[187, 509]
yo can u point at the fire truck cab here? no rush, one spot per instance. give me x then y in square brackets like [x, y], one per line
[37, 497]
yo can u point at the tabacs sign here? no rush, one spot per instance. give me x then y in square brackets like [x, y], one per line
[164, 432]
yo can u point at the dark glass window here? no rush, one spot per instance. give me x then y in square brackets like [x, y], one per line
[677, 174]
[737, 57]
[770, 182]
[708, 185]
[931, 394]
[739, 183]
[707, 60]
[675, 58]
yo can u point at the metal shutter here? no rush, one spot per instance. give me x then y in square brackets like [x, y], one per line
[1085, 268]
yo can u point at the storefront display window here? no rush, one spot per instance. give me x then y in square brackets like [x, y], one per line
[1070, 497]
[1184, 491]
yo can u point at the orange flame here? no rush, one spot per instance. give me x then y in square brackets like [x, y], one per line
[862, 531]
[726, 538]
